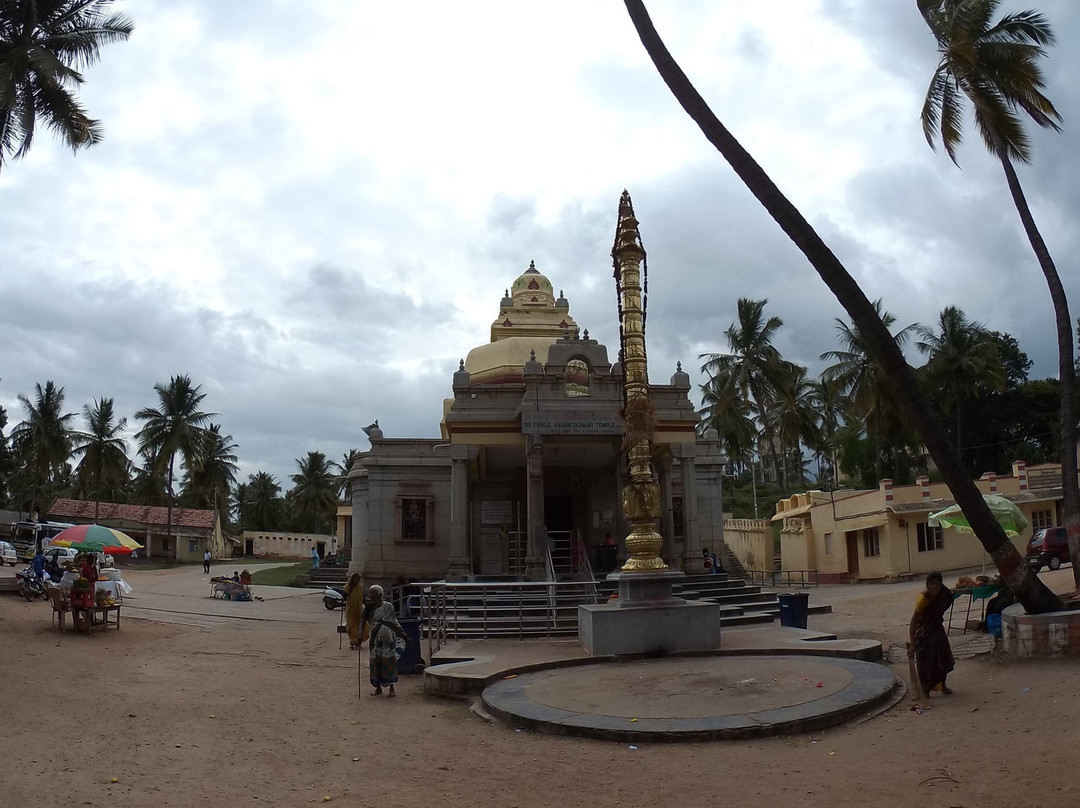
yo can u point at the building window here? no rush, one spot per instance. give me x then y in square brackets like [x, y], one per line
[871, 543]
[930, 537]
[1041, 519]
[415, 512]
[413, 520]
[828, 544]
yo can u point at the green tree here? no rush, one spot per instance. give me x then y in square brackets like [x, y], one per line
[962, 360]
[264, 509]
[1029, 590]
[754, 367]
[343, 469]
[994, 64]
[732, 416]
[42, 445]
[314, 493]
[104, 472]
[43, 46]
[865, 384]
[7, 462]
[175, 427]
[207, 484]
[238, 503]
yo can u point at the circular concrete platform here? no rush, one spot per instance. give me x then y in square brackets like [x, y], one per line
[693, 697]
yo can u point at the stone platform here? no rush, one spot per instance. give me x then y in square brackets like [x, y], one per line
[1053, 634]
[696, 698]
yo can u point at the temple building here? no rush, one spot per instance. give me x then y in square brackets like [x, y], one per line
[526, 481]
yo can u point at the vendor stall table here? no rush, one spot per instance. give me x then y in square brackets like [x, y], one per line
[96, 618]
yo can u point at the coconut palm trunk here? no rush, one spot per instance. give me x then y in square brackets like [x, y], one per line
[1026, 586]
[1070, 485]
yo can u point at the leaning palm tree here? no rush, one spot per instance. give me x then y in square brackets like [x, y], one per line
[753, 366]
[962, 359]
[176, 427]
[995, 65]
[104, 468]
[903, 383]
[43, 44]
[42, 442]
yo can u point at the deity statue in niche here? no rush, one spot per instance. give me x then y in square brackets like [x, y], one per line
[577, 378]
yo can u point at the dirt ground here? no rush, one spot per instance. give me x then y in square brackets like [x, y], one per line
[207, 709]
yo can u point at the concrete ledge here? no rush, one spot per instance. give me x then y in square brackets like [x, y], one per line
[1054, 634]
[663, 628]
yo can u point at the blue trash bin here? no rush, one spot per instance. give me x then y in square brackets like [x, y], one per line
[794, 608]
[411, 661]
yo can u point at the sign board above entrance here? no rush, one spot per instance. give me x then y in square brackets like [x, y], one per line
[578, 423]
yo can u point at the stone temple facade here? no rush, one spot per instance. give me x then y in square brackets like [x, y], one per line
[526, 480]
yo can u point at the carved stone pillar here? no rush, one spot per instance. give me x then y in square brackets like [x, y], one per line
[667, 514]
[691, 533]
[535, 569]
[460, 563]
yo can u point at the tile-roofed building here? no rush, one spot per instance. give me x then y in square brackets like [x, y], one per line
[193, 530]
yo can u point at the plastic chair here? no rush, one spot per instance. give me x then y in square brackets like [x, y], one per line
[59, 606]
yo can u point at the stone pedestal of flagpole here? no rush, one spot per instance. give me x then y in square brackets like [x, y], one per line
[647, 619]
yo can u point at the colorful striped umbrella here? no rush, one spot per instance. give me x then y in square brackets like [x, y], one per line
[96, 539]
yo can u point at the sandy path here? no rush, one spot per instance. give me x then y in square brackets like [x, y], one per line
[265, 712]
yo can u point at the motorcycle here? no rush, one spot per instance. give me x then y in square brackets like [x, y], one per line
[333, 597]
[31, 585]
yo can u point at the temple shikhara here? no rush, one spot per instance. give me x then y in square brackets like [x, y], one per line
[527, 478]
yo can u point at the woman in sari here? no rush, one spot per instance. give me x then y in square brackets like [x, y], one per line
[382, 648]
[928, 642]
[355, 625]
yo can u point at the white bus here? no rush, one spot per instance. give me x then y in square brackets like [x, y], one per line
[29, 537]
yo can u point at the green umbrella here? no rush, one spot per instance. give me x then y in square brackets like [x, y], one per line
[1011, 518]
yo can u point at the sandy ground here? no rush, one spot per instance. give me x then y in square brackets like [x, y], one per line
[197, 707]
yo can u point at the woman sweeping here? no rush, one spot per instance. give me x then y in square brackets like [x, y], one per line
[928, 642]
[382, 648]
[355, 625]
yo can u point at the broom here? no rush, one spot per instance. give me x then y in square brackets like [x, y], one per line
[918, 698]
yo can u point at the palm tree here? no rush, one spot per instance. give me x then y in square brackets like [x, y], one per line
[42, 443]
[314, 492]
[344, 467]
[796, 419]
[962, 358]
[827, 397]
[904, 385]
[753, 366]
[732, 416]
[264, 509]
[176, 427]
[995, 65]
[865, 384]
[148, 487]
[43, 43]
[104, 468]
[238, 504]
[207, 484]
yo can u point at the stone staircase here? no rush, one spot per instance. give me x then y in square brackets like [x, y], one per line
[513, 609]
[324, 577]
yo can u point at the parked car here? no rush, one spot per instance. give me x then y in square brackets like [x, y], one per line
[62, 555]
[1049, 547]
[8, 554]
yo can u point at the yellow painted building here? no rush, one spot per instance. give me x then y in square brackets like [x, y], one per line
[883, 534]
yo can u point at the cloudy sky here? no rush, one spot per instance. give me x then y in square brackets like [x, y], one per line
[314, 212]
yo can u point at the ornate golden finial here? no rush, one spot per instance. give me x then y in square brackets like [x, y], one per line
[641, 496]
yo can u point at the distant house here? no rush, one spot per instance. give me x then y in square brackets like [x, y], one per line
[882, 533]
[193, 531]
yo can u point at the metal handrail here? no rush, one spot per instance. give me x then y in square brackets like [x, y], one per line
[782, 577]
[442, 600]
